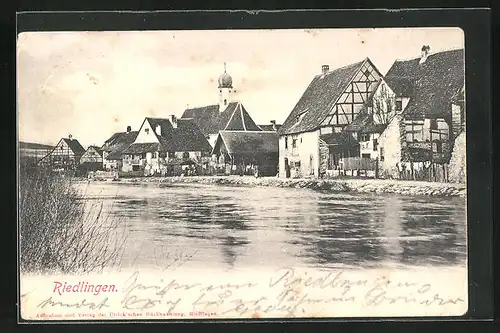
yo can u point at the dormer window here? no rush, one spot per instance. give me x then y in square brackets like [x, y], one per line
[300, 116]
[399, 105]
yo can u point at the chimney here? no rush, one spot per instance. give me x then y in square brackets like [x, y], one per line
[158, 130]
[129, 129]
[325, 69]
[424, 53]
[173, 120]
[273, 122]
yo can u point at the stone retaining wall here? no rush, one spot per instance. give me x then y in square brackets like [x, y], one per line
[333, 185]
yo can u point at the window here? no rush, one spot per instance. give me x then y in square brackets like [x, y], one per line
[294, 143]
[364, 137]
[286, 142]
[414, 130]
[297, 164]
[439, 130]
[300, 140]
[185, 155]
[399, 105]
[365, 155]
[382, 153]
[375, 144]
[146, 130]
[225, 102]
[437, 147]
[433, 124]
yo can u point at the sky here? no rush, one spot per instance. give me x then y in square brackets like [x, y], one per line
[93, 84]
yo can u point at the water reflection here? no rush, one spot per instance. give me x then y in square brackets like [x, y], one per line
[255, 227]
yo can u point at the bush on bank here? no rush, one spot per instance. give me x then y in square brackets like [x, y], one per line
[58, 231]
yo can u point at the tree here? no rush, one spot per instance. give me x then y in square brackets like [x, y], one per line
[384, 108]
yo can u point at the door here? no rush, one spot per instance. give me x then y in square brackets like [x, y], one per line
[287, 168]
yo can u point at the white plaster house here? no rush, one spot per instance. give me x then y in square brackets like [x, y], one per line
[313, 139]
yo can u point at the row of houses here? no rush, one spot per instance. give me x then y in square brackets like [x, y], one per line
[349, 121]
[219, 138]
[402, 125]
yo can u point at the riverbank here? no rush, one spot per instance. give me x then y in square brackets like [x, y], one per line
[334, 185]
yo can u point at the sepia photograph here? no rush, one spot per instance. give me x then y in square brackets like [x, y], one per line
[239, 174]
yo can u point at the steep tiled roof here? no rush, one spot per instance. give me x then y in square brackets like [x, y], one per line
[339, 139]
[319, 98]
[117, 143]
[75, 146]
[430, 85]
[185, 137]
[211, 121]
[269, 127]
[119, 138]
[241, 121]
[140, 148]
[97, 149]
[361, 121]
[247, 142]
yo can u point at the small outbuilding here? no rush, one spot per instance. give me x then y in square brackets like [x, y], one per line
[248, 152]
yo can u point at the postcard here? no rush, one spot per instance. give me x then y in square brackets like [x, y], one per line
[229, 174]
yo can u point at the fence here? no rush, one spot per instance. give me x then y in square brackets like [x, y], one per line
[433, 173]
[355, 167]
[359, 163]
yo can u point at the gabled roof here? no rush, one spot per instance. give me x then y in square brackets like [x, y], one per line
[430, 85]
[364, 118]
[96, 148]
[185, 137]
[211, 121]
[339, 139]
[117, 143]
[239, 142]
[269, 127]
[75, 146]
[319, 98]
[361, 121]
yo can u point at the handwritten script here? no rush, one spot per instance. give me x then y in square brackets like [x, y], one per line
[286, 292]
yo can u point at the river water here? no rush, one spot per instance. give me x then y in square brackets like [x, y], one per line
[253, 227]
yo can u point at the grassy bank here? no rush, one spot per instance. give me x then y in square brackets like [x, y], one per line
[59, 230]
[334, 185]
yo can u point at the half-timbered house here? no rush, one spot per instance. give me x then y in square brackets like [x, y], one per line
[312, 138]
[429, 92]
[91, 160]
[65, 155]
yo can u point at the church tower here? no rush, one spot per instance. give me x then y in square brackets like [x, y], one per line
[225, 90]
